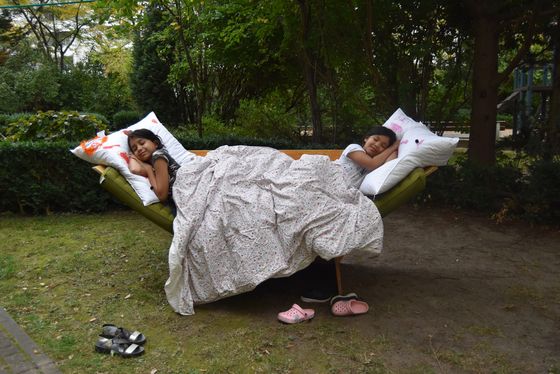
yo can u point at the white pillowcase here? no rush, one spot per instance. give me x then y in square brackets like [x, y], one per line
[400, 123]
[428, 148]
[387, 175]
[419, 147]
[112, 150]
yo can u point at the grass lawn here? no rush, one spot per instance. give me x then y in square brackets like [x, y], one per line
[62, 277]
[451, 293]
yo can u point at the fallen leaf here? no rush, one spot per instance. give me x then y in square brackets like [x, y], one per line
[93, 319]
[127, 296]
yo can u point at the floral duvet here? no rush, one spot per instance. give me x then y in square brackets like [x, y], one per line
[247, 214]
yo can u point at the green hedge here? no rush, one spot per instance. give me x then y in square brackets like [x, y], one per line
[514, 188]
[42, 177]
[213, 142]
[54, 126]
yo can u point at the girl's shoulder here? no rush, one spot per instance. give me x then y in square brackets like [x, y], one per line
[161, 153]
[352, 148]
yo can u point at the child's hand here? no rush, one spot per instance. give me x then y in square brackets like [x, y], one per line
[138, 167]
[392, 156]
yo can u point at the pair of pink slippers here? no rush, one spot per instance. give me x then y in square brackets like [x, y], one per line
[342, 305]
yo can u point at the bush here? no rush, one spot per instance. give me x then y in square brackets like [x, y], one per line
[54, 180]
[190, 140]
[57, 181]
[470, 186]
[6, 119]
[528, 190]
[51, 125]
[124, 118]
[540, 200]
[268, 118]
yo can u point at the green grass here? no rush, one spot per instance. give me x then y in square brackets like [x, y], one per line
[62, 277]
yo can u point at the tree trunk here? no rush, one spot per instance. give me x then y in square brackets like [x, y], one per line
[482, 140]
[551, 145]
[309, 68]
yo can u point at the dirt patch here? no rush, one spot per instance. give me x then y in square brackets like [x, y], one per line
[466, 292]
[451, 292]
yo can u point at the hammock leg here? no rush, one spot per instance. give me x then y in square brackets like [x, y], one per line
[338, 275]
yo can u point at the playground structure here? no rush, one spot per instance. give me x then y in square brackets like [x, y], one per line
[532, 89]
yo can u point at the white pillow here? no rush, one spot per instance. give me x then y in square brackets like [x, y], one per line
[112, 150]
[428, 148]
[175, 149]
[399, 122]
[419, 147]
[387, 175]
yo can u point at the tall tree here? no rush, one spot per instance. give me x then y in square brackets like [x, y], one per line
[151, 67]
[309, 65]
[490, 20]
[55, 27]
[552, 139]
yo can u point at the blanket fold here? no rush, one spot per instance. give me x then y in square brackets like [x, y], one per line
[247, 214]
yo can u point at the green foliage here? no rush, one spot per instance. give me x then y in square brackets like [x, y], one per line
[6, 119]
[28, 82]
[541, 193]
[471, 186]
[53, 125]
[87, 87]
[152, 58]
[54, 179]
[124, 118]
[268, 117]
[57, 181]
[190, 140]
[528, 190]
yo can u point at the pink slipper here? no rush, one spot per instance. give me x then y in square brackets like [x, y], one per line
[296, 314]
[349, 308]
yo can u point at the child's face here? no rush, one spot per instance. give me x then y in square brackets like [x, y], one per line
[376, 144]
[142, 148]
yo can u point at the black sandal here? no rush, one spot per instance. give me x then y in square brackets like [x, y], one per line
[119, 347]
[111, 331]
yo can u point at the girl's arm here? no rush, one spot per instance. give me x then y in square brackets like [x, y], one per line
[136, 166]
[372, 163]
[159, 178]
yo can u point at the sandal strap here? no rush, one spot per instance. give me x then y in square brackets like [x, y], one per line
[300, 310]
[131, 348]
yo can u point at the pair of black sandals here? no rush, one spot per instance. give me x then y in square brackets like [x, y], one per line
[118, 341]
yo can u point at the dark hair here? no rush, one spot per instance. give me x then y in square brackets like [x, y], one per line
[382, 130]
[145, 134]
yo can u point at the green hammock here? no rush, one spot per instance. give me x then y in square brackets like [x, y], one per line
[112, 181]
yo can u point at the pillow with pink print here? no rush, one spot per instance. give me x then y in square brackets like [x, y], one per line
[399, 122]
[419, 147]
[427, 148]
[112, 150]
